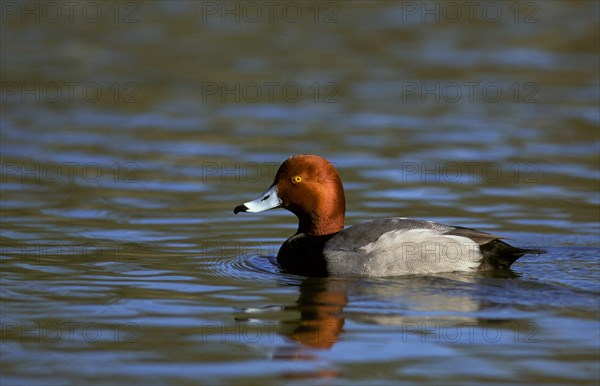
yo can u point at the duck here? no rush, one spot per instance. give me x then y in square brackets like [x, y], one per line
[310, 187]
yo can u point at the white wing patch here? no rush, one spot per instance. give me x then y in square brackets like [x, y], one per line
[402, 252]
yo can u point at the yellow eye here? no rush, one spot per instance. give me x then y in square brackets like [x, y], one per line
[296, 179]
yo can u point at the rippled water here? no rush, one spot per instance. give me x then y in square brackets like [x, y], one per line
[128, 137]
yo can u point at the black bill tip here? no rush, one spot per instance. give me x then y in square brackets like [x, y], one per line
[240, 208]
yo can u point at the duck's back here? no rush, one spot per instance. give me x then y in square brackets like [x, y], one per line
[400, 246]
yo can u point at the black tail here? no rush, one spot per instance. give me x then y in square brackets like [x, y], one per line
[499, 255]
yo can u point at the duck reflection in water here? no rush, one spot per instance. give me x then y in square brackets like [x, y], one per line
[321, 305]
[445, 301]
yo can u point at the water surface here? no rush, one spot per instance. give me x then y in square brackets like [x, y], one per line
[127, 140]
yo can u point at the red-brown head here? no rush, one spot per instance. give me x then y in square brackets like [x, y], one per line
[310, 187]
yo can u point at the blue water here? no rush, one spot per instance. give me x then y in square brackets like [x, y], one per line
[122, 262]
